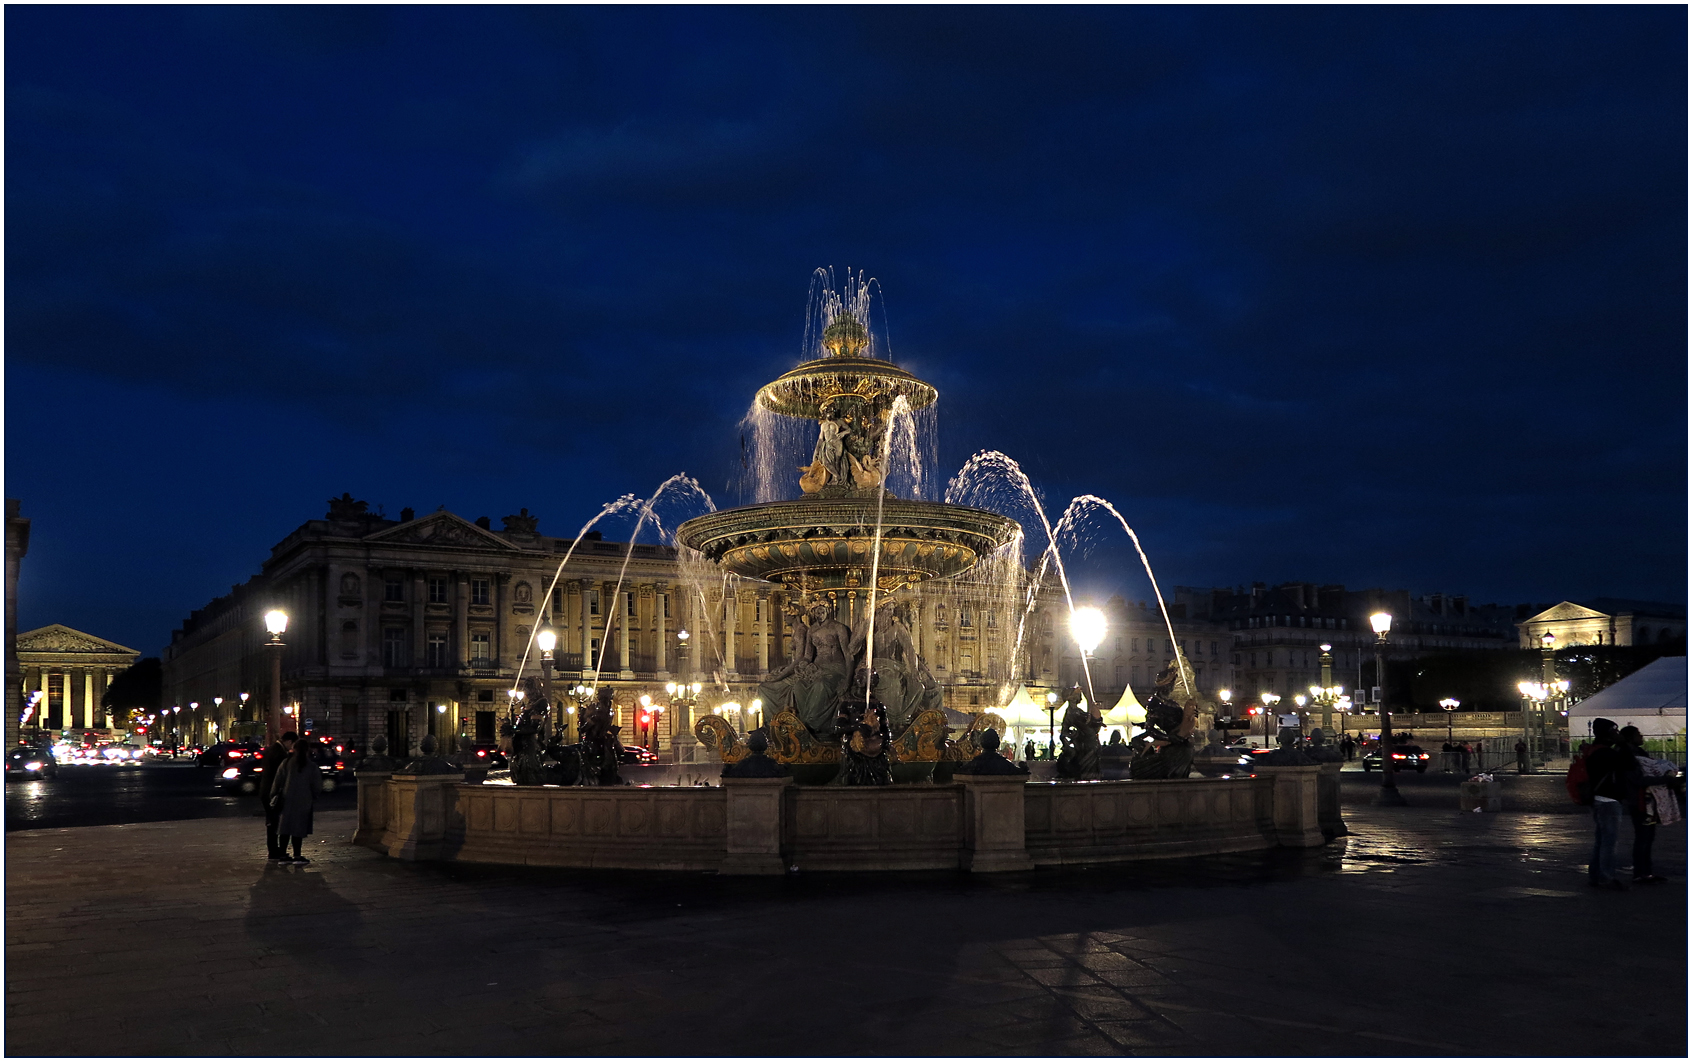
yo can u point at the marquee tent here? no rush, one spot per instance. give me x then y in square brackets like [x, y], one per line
[1652, 699]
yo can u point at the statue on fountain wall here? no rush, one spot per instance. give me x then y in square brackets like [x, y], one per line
[1079, 738]
[865, 739]
[813, 680]
[601, 752]
[901, 679]
[851, 435]
[1165, 748]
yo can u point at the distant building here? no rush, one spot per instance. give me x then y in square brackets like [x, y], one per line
[1276, 633]
[1605, 621]
[71, 669]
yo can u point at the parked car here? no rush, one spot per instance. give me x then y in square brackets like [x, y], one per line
[1405, 758]
[489, 755]
[31, 762]
[1251, 755]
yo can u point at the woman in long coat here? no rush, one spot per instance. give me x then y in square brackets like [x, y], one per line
[297, 787]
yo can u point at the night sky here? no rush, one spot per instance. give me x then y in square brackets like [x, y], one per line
[1382, 296]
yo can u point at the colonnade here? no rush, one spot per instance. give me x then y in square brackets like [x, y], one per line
[79, 692]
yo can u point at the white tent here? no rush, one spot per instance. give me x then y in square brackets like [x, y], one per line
[1127, 716]
[1652, 699]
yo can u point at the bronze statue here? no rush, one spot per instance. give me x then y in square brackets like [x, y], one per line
[1165, 748]
[601, 752]
[863, 752]
[1080, 739]
[812, 683]
[901, 680]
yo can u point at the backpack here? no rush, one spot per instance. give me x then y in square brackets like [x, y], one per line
[1579, 783]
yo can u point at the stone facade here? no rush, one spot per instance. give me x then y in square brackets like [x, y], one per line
[72, 670]
[1605, 621]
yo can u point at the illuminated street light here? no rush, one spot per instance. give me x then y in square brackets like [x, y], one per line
[1389, 796]
[276, 622]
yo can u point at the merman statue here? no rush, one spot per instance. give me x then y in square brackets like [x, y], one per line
[863, 747]
[1165, 748]
[602, 753]
[1080, 738]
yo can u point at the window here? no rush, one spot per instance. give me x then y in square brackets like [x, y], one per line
[484, 696]
[629, 607]
[558, 599]
[665, 599]
[593, 602]
[1120, 674]
[437, 648]
[1136, 644]
[395, 589]
[393, 647]
[349, 640]
[479, 648]
[1136, 675]
[965, 618]
[993, 621]
[1212, 648]
[396, 696]
[437, 590]
[479, 592]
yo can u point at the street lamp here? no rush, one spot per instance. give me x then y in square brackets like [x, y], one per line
[276, 622]
[1088, 626]
[1389, 795]
[1051, 724]
[1450, 705]
[1269, 701]
[681, 651]
[547, 639]
[1330, 692]
[217, 711]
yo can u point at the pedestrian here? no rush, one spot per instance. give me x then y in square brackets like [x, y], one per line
[1611, 779]
[1521, 755]
[1644, 825]
[269, 767]
[1028, 749]
[1480, 755]
[296, 792]
[1463, 757]
[1350, 748]
[1446, 759]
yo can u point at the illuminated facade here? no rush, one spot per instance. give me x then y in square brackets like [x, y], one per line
[1605, 621]
[71, 670]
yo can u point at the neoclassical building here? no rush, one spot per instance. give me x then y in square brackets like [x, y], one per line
[1605, 621]
[70, 670]
[420, 625]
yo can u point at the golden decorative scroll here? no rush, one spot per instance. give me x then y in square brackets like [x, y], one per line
[715, 733]
[923, 741]
[790, 742]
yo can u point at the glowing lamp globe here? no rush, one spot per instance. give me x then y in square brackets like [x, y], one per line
[547, 640]
[1381, 622]
[1088, 626]
[276, 622]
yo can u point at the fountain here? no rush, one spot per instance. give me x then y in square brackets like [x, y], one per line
[849, 549]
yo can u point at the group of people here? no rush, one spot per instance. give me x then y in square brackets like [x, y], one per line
[1459, 755]
[288, 788]
[1622, 778]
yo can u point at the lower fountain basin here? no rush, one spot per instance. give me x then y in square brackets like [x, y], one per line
[819, 543]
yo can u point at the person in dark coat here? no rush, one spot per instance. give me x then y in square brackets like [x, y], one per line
[1632, 742]
[1613, 775]
[269, 767]
[297, 789]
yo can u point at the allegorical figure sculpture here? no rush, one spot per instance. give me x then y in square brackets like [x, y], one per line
[601, 752]
[524, 731]
[864, 740]
[1165, 748]
[1080, 739]
[813, 681]
[901, 680]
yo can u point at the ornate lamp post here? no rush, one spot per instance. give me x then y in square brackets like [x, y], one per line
[1389, 796]
[1450, 704]
[1330, 692]
[1270, 700]
[1226, 697]
[276, 622]
[217, 709]
[547, 639]
[1051, 724]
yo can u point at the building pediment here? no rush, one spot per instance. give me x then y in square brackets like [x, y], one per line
[58, 638]
[1565, 611]
[441, 529]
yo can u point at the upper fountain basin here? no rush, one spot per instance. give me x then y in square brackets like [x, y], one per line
[826, 543]
[801, 392]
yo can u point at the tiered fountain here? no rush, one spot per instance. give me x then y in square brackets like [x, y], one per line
[848, 548]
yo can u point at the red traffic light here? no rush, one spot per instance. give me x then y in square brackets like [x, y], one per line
[644, 718]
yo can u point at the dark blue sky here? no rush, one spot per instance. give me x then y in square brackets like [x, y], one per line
[1383, 295]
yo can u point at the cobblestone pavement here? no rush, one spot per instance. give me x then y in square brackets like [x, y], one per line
[1427, 932]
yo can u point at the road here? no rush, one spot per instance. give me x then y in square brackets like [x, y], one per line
[153, 792]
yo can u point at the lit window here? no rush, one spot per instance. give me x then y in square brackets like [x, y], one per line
[479, 647]
[479, 592]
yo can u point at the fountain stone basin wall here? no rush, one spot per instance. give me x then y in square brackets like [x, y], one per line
[763, 826]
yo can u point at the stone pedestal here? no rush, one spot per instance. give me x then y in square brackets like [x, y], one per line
[372, 808]
[1328, 814]
[1480, 796]
[1297, 820]
[421, 812]
[995, 835]
[754, 825]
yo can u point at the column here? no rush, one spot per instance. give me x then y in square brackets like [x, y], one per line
[586, 635]
[730, 607]
[461, 617]
[498, 648]
[761, 608]
[661, 597]
[90, 703]
[373, 584]
[623, 634]
[419, 633]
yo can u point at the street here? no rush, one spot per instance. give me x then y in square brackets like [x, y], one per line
[1425, 932]
[151, 792]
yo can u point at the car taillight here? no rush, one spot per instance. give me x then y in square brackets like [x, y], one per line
[481, 752]
[339, 765]
[234, 755]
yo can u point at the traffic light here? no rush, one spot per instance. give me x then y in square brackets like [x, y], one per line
[644, 719]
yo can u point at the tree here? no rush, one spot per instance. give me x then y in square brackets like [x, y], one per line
[137, 689]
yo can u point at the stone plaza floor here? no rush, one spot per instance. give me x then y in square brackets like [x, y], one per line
[1425, 932]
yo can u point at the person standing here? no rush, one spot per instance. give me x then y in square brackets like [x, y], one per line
[1463, 758]
[269, 767]
[1610, 775]
[1480, 755]
[1632, 743]
[1028, 750]
[296, 791]
[1521, 756]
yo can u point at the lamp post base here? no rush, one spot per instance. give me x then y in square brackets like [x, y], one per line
[1389, 797]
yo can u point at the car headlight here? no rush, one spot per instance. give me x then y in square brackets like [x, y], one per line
[33, 765]
[232, 772]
